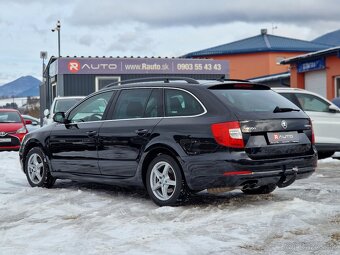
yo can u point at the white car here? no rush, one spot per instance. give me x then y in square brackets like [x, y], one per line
[34, 125]
[325, 117]
[60, 104]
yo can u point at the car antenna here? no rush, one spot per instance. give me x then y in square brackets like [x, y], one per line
[222, 78]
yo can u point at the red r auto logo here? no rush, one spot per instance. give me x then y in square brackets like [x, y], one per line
[73, 66]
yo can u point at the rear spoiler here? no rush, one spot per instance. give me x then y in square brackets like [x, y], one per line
[252, 86]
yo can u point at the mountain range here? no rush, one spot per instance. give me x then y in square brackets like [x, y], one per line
[22, 87]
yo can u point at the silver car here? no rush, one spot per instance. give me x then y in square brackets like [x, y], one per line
[325, 118]
[35, 123]
[60, 104]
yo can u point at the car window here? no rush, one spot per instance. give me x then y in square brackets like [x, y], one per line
[181, 103]
[92, 109]
[252, 103]
[63, 105]
[154, 106]
[312, 103]
[9, 117]
[131, 104]
[291, 97]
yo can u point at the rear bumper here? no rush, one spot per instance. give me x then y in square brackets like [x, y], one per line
[216, 173]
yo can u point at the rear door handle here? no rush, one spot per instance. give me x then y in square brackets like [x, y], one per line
[141, 132]
[91, 133]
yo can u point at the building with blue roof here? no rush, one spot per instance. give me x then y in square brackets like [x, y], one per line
[258, 55]
[318, 72]
[332, 38]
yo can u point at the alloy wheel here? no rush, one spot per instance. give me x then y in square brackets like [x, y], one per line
[163, 180]
[35, 168]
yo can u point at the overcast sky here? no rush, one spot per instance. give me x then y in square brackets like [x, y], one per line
[147, 27]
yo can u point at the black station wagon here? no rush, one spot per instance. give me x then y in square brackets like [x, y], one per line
[174, 136]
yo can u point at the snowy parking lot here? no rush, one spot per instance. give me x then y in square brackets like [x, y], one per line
[74, 218]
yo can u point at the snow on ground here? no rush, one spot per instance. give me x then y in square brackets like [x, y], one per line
[75, 218]
[20, 101]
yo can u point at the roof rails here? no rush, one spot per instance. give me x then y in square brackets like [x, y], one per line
[151, 79]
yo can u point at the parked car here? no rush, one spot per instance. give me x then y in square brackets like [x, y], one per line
[12, 129]
[59, 104]
[176, 137]
[35, 123]
[325, 118]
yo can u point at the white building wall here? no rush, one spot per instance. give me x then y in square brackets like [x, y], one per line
[316, 81]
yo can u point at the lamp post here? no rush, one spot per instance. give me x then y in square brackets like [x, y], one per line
[43, 56]
[57, 28]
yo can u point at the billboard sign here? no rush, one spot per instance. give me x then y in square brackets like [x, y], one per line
[312, 65]
[141, 66]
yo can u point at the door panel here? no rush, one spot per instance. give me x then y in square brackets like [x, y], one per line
[122, 140]
[326, 126]
[121, 143]
[74, 148]
[73, 145]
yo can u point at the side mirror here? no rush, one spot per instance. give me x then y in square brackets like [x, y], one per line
[333, 109]
[28, 122]
[34, 123]
[59, 117]
[46, 113]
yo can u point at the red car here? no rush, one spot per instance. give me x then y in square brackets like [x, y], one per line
[12, 129]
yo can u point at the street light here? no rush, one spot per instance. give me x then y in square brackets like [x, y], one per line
[43, 56]
[57, 28]
[42, 99]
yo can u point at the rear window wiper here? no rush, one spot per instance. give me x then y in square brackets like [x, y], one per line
[278, 109]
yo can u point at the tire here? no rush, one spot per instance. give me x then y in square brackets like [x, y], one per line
[325, 154]
[266, 189]
[164, 181]
[37, 169]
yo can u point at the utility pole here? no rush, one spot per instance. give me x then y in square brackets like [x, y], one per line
[57, 28]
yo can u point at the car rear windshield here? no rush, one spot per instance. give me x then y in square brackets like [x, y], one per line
[254, 104]
[9, 117]
[63, 105]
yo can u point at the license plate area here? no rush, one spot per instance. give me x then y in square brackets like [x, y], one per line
[283, 137]
[5, 140]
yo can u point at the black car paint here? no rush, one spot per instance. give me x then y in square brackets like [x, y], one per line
[73, 149]
[121, 143]
[115, 152]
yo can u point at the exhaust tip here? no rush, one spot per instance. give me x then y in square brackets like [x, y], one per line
[249, 185]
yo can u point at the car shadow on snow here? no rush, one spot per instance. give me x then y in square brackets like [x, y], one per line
[101, 188]
[233, 198]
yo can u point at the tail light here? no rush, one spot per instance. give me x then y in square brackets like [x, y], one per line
[313, 135]
[246, 172]
[228, 134]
